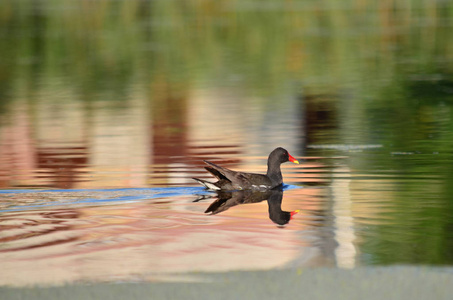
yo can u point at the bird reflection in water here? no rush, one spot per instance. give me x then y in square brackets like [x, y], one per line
[227, 199]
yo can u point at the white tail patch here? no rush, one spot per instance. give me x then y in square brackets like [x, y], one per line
[207, 184]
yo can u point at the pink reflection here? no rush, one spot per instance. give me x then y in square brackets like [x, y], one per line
[69, 144]
[17, 152]
[151, 237]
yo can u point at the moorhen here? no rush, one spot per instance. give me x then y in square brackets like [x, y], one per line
[233, 180]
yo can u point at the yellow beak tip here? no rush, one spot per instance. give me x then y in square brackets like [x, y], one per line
[296, 162]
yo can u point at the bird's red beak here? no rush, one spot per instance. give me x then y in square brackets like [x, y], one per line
[292, 159]
[293, 213]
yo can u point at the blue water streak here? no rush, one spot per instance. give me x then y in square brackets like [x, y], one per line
[105, 196]
[128, 195]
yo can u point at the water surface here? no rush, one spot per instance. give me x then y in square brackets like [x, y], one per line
[107, 109]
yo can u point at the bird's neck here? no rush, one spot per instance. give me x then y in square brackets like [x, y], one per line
[274, 173]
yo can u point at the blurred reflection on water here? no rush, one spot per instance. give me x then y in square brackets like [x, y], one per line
[274, 197]
[135, 94]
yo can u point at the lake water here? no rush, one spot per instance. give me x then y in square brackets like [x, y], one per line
[108, 109]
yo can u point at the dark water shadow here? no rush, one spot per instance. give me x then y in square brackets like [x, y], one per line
[228, 199]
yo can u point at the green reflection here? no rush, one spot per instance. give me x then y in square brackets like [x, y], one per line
[109, 45]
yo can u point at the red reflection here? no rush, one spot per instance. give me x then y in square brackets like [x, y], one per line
[62, 165]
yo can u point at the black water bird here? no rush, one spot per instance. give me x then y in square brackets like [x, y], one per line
[234, 180]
